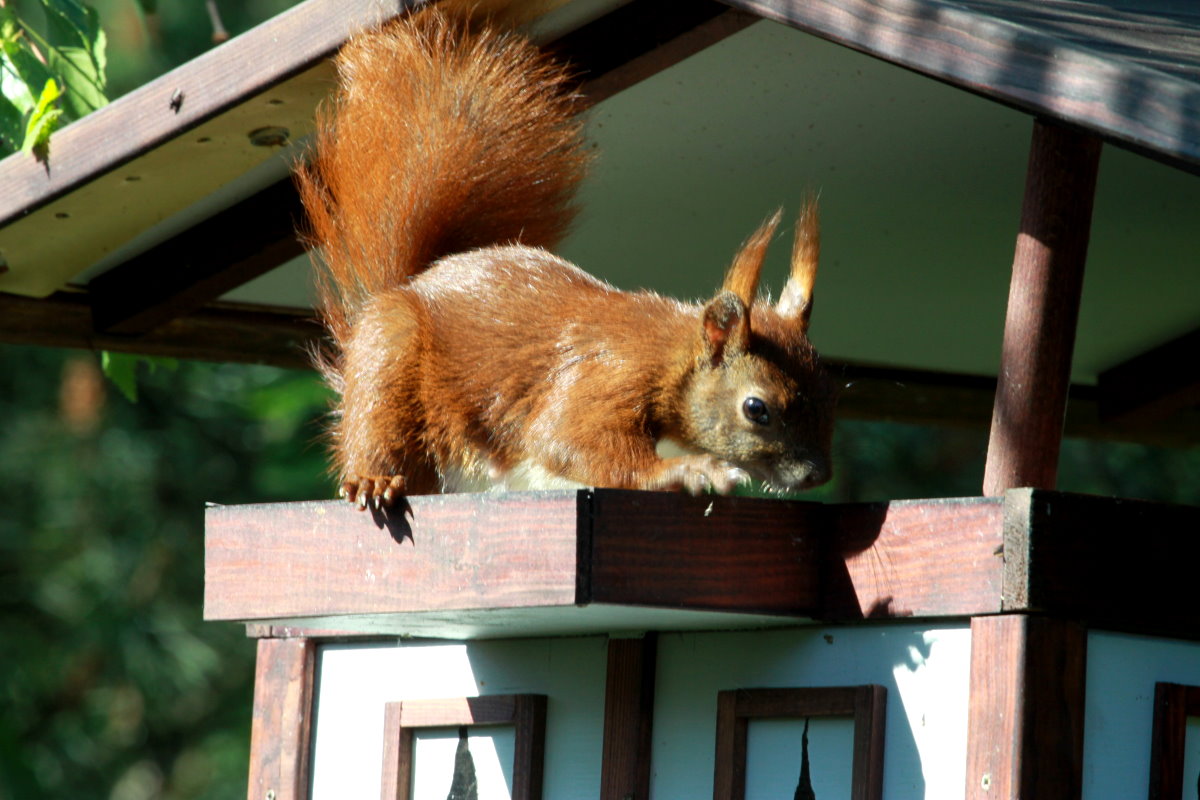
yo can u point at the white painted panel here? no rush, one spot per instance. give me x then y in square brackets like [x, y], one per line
[926, 671]
[1121, 674]
[354, 681]
[773, 757]
[434, 752]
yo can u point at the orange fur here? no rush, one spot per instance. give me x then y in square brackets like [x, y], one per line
[443, 171]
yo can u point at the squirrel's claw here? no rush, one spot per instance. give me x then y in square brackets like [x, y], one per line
[377, 492]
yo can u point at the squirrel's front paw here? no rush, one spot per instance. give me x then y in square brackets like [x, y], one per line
[696, 474]
[364, 490]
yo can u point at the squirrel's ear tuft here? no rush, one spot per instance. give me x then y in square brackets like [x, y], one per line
[726, 326]
[742, 278]
[795, 302]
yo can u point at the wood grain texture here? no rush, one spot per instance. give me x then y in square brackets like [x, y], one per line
[866, 704]
[1173, 704]
[717, 553]
[283, 706]
[209, 84]
[1015, 53]
[628, 718]
[1043, 306]
[525, 712]
[1025, 712]
[449, 552]
[921, 558]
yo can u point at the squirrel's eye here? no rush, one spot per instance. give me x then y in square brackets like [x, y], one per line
[756, 410]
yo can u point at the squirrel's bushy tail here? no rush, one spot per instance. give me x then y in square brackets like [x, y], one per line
[441, 138]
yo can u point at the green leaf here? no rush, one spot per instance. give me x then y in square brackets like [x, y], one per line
[12, 127]
[77, 45]
[42, 121]
[20, 73]
[121, 369]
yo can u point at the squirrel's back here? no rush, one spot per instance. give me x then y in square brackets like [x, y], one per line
[440, 139]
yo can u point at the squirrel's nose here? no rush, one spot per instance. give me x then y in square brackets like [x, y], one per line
[813, 471]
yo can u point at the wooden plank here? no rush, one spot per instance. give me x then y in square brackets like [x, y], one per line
[196, 267]
[310, 560]
[1154, 384]
[715, 553]
[1025, 713]
[241, 334]
[283, 708]
[924, 558]
[1043, 306]
[1029, 66]
[735, 709]
[642, 38]
[1173, 704]
[215, 81]
[628, 717]
[525, 712]
[1122, 564]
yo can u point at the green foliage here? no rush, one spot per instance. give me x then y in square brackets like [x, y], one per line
[111, 684]
[48, 75]
[121, 369]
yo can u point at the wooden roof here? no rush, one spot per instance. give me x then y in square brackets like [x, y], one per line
[151, 211]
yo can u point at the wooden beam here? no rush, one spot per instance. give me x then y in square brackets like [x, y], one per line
[237, 333]
[199, 265]
[1025, 713]
[1123, 564]
[1154, 385]
[211, 83]
[283, 709]
[1021, 58]
[628, 718]
[1043, 306]
[1173, 704]
[642, 38]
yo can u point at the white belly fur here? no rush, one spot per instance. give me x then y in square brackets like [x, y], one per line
[527, 475]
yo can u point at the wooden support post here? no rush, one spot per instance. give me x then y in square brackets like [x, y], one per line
[279, 736]
[1025, 714]
[628, 718]
[1043, 305]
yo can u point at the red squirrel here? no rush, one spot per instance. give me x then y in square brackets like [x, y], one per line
[468, 356]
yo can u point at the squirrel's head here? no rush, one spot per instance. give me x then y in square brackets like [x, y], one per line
[758, 396]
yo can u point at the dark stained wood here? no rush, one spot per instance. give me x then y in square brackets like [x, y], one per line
[451, 552]
[199, 265]
[718, 553]
[525, 712]
[1173, 704]
[642, 38]
[209, 84]
[922, 558]
[476, 560]
[1122, 564]
[242, 334]
[1043, 306]
[1025, 713]
[1034, 66]
[735, 709]
[628, 718]
[283, 706]
[1155, 384]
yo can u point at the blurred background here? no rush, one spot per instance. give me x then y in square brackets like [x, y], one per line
[112, 685]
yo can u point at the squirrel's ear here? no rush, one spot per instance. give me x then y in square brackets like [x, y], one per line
[726, 326]
[795, 302]
[742, 278]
